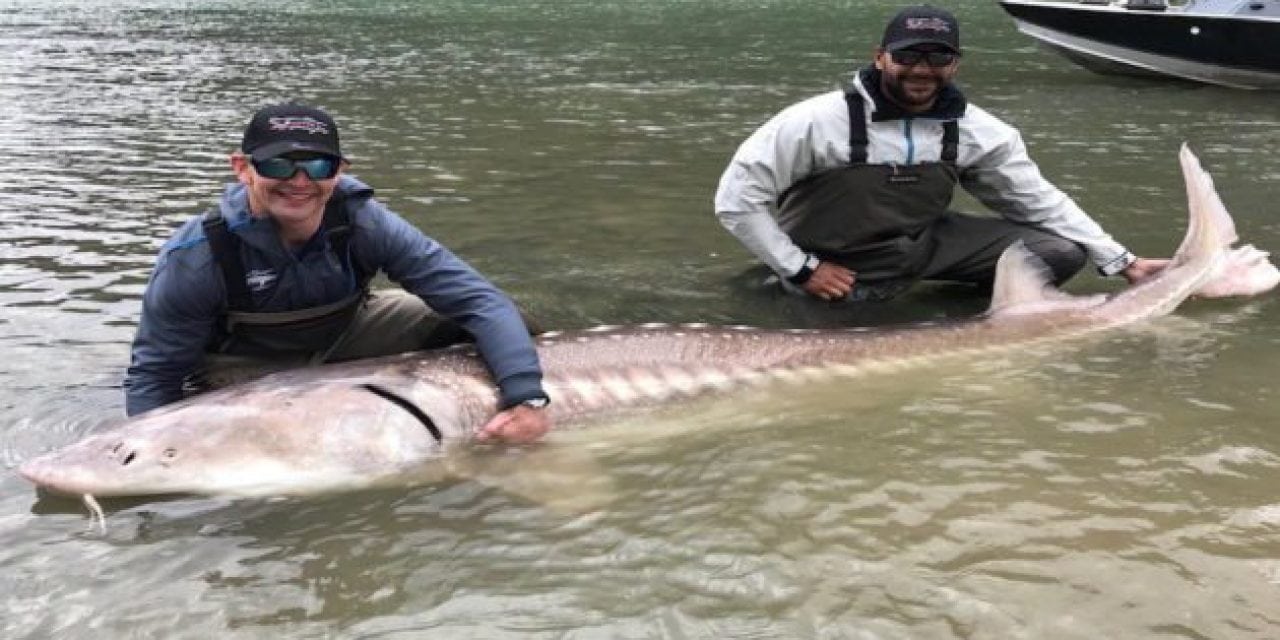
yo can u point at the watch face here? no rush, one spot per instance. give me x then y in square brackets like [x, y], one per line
[536, 403]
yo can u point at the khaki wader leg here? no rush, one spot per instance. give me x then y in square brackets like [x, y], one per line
[388, 322]
[394, 321]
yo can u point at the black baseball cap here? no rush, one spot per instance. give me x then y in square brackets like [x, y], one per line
[922, 24]
[281, 128]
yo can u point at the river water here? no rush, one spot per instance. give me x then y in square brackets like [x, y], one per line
[1119, 487]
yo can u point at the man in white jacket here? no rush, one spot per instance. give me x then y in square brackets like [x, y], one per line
[845, 195]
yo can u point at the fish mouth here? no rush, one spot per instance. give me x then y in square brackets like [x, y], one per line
[32, 471]
[41, 473]
[35, 474]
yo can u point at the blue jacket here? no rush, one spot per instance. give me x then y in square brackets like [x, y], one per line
[186, 297]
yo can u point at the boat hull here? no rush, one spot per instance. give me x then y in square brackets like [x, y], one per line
[1227, 50]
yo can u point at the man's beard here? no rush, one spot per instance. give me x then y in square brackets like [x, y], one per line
[892, 85]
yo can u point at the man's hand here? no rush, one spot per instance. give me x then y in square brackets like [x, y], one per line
[1143, 268]
[520, 424]
[829, 281]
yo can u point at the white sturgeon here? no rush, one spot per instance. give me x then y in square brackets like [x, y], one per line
[375, 422]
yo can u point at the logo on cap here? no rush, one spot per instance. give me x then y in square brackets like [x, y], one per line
[298, 123]
[937, 25]
[283, 128]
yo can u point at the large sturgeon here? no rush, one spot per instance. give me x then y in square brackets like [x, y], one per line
[360, 424]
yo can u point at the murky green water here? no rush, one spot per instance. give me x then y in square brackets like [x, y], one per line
[1120, 487]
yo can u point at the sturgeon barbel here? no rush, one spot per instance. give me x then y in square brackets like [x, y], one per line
[374, 422]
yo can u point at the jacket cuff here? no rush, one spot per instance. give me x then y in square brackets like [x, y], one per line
[802, 276]
[520, 387]
[1118, 264]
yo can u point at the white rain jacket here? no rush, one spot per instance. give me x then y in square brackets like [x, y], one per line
[813, 136]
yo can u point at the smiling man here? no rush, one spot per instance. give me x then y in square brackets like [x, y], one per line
[846, 196]
[277, 276]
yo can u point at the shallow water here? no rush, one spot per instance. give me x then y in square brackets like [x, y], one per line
[1121, 486]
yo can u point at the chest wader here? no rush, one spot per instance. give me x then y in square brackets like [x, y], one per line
[301, 336]
[874, 219]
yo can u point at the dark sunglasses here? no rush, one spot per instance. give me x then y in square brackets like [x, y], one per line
[911, 57]
[281, 168]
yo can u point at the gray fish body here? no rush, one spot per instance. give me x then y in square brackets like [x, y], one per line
[381, 421]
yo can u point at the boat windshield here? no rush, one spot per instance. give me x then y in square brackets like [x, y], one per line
[1267, 8]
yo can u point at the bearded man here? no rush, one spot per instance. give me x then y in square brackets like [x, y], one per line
[846, 195]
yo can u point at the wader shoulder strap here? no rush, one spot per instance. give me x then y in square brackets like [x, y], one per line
[950, 141]
[337, 223]
[857, 127]
[225, 247]
[858, 132]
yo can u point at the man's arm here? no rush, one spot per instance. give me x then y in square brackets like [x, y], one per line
[179, 309]
[452, 288]
[807, 137]
[455, 290]
[999, 172]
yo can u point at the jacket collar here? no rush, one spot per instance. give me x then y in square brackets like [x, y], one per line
[261, 233]
[258, 232]
[950, 104]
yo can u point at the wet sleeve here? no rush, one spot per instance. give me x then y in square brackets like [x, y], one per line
[455, 290]
[779, 154]
[179, 308]
[1003, 177]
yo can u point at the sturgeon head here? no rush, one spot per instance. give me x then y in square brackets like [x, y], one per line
[285, 434]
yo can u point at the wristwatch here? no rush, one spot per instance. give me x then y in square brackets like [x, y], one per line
[539, 402]
[806, 270]
[1118, 265]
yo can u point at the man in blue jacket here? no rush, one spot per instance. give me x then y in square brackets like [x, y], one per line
[277, 276]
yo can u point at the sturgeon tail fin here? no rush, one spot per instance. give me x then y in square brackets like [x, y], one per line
[1244, 271]
[1211, 228]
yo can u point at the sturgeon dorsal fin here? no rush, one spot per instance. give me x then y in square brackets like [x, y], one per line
[1023, 282]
